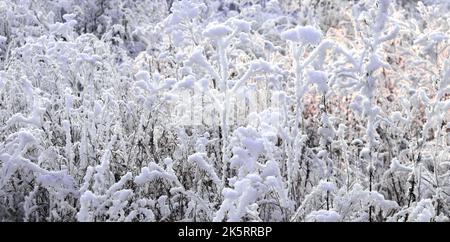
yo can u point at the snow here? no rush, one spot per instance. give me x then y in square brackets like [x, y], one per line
[187, 82]
[261, 65]
[319, 78]
[198, 158]
[2, 80]
[60, 181]
[3, 40]
[242, 25]
[323, 216]
[303, 34]
[63, 29]
[86, 200]
[291, 34]
[151, 173]
[424, 211]
[178, 38]
[272, 169]
[382, 15]
[397, 117]
[326, 186]
[92, 59]
[198, 57]
[142, 76]
[254, 147]
[374, 64]
[168, 83]
[397, 167]
[438, 36]
[216, 31]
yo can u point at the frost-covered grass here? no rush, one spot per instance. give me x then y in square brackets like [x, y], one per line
[195, 110]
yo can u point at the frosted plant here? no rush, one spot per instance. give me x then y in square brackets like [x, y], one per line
[234, 110]
[257, 174]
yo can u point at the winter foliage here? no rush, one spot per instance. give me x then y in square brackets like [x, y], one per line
[224, 110]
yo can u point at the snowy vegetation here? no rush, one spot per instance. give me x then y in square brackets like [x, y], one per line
[224, 110]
